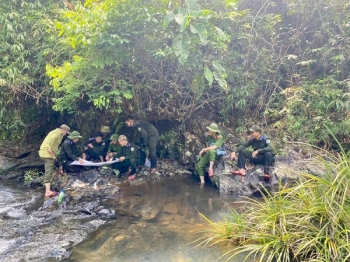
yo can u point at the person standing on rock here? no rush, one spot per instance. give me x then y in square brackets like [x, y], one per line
[114, 149]
[214, 141]
[149, 137]
[69, 153]
[129, 158]
[48, 151]
[262, 154]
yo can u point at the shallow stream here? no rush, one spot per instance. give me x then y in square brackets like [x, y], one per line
[155, 221]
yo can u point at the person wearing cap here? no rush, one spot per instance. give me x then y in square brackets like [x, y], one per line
[47, 153]
[114, 148]
[69, 153]
[262, 154]
[93, 148]
[106, 132]
[148, 138]
[214, 141]
[129, 158]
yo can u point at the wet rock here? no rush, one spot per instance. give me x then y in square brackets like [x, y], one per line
[171, 208]
[107, 213]
[121, 239]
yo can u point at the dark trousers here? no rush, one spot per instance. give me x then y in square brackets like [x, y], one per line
[91, 154]
[68, 168]
[152, 147]
[265, 159]
[123, 166]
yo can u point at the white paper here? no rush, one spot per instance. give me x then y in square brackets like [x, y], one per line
[89, 163]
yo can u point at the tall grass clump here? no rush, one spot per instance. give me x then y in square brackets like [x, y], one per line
[307, 222]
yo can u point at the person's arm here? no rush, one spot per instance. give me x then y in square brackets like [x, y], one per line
[68, 149]
[267, 147]
[218, 143]
[244, 146]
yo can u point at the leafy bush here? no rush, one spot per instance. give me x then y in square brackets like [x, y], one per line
[309, 221]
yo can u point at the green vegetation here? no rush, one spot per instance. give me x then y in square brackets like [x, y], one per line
[284, 63]
[307, 222]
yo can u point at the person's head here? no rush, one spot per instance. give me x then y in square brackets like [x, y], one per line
[213, 130]
[122, 140]
[64, 129]
[255, 131]
[98, 137]
[114, 139]
[105, 130]
[74, 136]
[130, 121]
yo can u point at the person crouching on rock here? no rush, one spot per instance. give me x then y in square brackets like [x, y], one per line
[114, 149]
[48, 151]
[69, 153]
[214, 141]
[94, 148]
[262, 154]
[129, 158]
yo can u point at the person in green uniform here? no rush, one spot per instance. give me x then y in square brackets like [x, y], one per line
[69, 153]
[94, 148]
[262, 154]
[114, 148]
[129, 157]
[214, 141]
[147, 137]
[47, 153]
[106, 135]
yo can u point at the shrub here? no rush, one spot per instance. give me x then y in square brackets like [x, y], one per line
[308, 222]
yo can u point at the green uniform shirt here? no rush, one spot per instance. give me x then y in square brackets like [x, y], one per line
[114, 148]
[218, 142]
[51, 142]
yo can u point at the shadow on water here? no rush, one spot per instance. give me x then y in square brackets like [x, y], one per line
[156, 221]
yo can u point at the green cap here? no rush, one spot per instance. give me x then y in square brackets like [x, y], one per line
[255, 129]
[213, 128]
[105, 129]
[114, 137]
[74, 134]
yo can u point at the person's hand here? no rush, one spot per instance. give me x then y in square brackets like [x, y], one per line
[81, 161]
[110, 159]
[201, 152]
[121, 159]
[90, 145]
[85, 147]
[255, 153]
[233, 156]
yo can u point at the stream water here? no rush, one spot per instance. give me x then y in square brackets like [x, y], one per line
[155, 221]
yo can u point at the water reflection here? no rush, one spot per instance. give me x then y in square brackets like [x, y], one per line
[155, 222]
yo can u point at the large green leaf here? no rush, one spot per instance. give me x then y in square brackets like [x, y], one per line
[170, 16]
[208, 75]
[182, 19]
[202, 32]
[181, 45]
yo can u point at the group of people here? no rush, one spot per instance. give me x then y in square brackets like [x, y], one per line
[262, 152]
[131, 155]
[104, 146]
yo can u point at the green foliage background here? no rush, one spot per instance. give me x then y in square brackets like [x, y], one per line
[282, 63]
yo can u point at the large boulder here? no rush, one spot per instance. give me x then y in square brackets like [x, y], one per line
[283, 173]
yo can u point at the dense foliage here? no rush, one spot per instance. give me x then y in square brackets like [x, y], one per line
[307, 222]
[282, 63]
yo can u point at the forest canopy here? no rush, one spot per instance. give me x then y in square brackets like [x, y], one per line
[282, 63]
